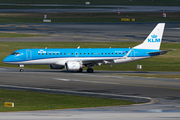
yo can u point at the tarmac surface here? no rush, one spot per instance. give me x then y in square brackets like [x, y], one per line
[162, 92]
[90, 32]
[91, 9]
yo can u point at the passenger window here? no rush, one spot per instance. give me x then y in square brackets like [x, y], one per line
[84, 53]
[72, 53]
[49, 53]
[91, 53]
[53, 53]
[42, 53]
[57, 53]
[61, 53]
[38, 53]
[64, 53]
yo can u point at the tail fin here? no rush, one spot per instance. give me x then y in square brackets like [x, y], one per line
[153, 41]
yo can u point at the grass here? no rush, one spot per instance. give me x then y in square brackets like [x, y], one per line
[11, 35]
[156, 76]
[30, 101]
[166, 62]
[99, 2]
[87, 17]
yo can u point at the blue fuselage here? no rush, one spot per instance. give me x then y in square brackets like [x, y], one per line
[30, 56]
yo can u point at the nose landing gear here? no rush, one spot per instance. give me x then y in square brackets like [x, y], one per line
[21, 68]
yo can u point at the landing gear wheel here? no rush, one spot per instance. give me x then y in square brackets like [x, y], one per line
[90, 70]
[80, 70]
[21, 70]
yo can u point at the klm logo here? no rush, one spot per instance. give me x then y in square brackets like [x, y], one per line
[154, 39]
[41, 51]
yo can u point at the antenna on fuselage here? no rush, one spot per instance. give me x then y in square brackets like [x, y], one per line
[78, 47]
[46, 48]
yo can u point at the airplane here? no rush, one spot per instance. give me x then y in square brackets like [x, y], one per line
[75, 59]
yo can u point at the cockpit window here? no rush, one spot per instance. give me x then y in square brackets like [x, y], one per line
[15, 53]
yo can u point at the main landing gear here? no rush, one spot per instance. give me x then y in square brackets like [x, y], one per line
[90, 70]
[80, 70]
[21, 68]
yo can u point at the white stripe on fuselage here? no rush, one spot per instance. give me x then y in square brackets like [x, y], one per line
[62, 61]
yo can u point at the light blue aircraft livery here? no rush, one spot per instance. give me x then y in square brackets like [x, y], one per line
[75, 59]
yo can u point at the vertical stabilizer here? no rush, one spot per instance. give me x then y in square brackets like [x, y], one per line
[153, 41]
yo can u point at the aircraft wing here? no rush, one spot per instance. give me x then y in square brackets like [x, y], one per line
[102, 60]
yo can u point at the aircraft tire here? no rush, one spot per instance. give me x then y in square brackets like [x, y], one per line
[21, 70]
[80, 70]
[90, 70]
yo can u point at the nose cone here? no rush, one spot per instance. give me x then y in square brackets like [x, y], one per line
[7, 59]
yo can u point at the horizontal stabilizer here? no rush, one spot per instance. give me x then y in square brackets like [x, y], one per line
[161, 52]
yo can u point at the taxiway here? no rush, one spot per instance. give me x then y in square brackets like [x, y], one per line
[163, 93]
[89, 32]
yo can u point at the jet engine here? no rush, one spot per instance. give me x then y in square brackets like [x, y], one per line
[56, 67]
[73, 65]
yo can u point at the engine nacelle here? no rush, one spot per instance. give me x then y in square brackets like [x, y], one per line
[73, 65]
[56, 67]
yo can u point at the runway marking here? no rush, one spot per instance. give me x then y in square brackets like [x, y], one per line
[44, 28]
[11, 32]
[76, 36]
[99, 38]
[123, 39]
[132, 85]
[54, 35]
[62, 79]
[152, 101]
[150, 77]
[22, 26]
[66, 79]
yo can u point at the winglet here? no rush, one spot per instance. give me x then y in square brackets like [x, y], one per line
[153, 41]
